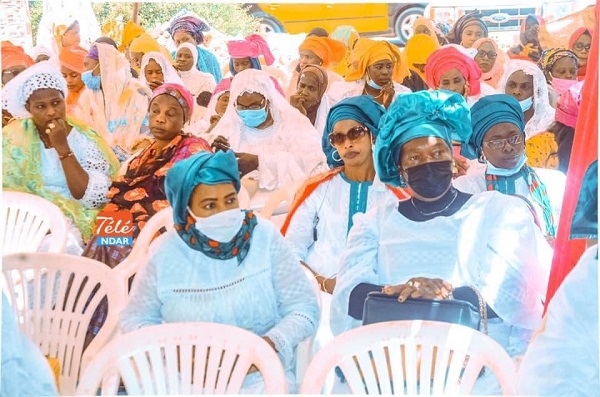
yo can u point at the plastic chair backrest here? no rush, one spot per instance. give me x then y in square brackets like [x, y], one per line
[304, 351]
[183, 358]
[54, 296]
[27, 219]
[391, 357]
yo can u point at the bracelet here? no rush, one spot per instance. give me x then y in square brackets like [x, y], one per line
[64, 156]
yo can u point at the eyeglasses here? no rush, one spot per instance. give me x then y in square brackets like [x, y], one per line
[354, 134]
[498, 144]
[254, 106]
[581, 47]
[489, 55]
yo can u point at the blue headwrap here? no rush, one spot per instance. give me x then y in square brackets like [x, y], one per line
[253, 61]
[486, 113]
[362, 109]
[204, 167]
[440, 114]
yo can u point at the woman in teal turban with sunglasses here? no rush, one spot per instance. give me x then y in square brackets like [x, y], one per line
[442, 238]
[224, 265]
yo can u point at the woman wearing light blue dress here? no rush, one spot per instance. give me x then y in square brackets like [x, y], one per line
[223, 265]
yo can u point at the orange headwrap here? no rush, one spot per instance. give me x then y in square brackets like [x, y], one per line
[330, 51]
[13, 55]
[418, 49]
[366, 52]
[72, 58]
[131, 30]
[448, 58]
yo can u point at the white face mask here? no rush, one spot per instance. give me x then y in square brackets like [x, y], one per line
[221, 227]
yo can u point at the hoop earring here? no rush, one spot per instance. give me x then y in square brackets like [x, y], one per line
[333, 155]
[482, 158]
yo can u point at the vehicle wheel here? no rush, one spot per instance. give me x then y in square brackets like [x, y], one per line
[268, 24]
[404, 22]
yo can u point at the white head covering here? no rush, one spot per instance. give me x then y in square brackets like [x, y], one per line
[543, 114]
[40, 50]
[193, 79]
[169, 72]
[42, 75]
[259, 81]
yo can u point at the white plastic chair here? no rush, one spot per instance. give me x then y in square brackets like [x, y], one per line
[304, 350]
[27, 219]
[384, 358]
[183, 358]
[55, 316]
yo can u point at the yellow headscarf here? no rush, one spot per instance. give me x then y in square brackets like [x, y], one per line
[417, 51]
[145, 43]
[428, 23]
[131, 31]
[348, 36]
[366, 52]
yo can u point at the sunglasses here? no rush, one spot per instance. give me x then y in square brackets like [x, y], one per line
[353, 134]
[498, 144]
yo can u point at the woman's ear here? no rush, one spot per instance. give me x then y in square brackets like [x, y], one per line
[27, 106]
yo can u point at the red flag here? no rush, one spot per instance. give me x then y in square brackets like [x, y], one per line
[585, 151]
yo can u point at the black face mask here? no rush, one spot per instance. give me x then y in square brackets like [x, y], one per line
[430, 180]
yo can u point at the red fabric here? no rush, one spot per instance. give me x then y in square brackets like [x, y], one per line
[567, 252]
[13, 55]
[311, 185]
[253, 47]
[448, 58]
[578, 33]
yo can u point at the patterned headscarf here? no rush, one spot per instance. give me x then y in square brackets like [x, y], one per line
[472, 18]
[320, 74]
[363, 109]
[448, 58]
[191, 25]
[180, 93]
[550, 56]
[440, 114]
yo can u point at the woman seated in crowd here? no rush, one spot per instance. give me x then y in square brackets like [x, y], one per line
[157, 70]
[490, 59]
[216, 107]
[451, 69]
[580, 43]
[309, 96]
[378, 70]
[141, 189]
[468, 29]
[526, 83]
[40, 53]
[141, 45]
[194, 80]
[189, 29]
[72, 66]
[442, 238]
[274, 143]
[562, 359]
[118, 108]
[14, 61]
[320, 51]
[321, 214]
[529, 48]
[223, 265]
[498, 140]
[565, 121]
[418, 49]
[53, 156]
[560, 67]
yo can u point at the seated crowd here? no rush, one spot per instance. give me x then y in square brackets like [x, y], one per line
[417, 171]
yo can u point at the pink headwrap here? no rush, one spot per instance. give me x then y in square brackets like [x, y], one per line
[253, 46]
[448, 58]
[567, 108]
[224, 85]
[179, 92]
[493, 76]
[576, 34]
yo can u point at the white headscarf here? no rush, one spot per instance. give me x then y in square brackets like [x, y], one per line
[169, 72]
[543, 114]
[193, 79]
[40, 50]
[42, 75]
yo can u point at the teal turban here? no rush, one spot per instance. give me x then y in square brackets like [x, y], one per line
[440, 114]
[362, 109]
[585, 219]
[202, 168]
[486, 113]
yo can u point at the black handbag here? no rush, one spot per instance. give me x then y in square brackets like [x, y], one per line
[379, 307]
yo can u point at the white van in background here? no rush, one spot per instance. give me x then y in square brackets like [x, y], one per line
[503, 17]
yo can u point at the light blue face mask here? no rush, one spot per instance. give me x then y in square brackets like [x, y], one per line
[253, 118]
[526, 103]
[92, 82]
[373, 84]
[493, 170]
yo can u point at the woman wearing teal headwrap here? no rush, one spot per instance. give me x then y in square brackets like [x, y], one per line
[442, 238]
[321, 214]
[223, 265]
[569, 338]
[498, 140]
